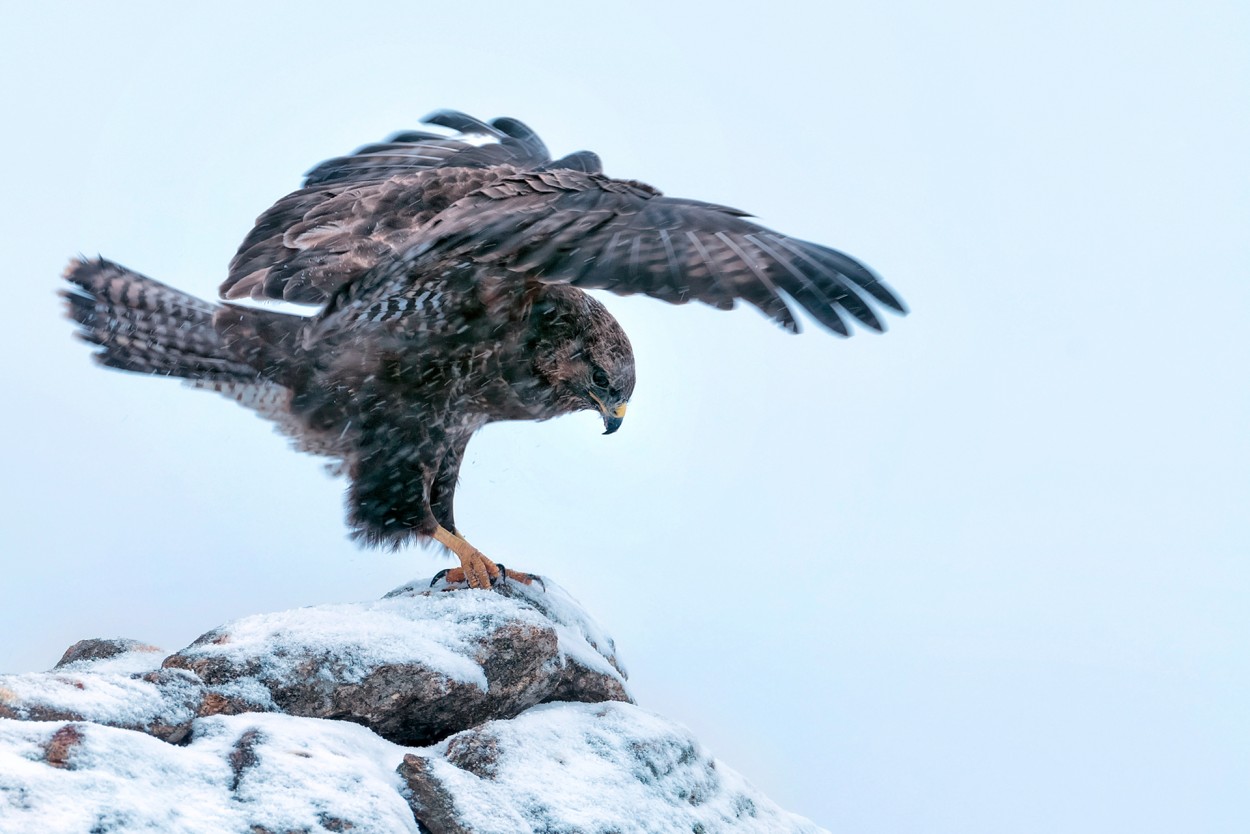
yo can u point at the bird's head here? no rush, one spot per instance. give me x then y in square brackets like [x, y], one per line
[584, 356]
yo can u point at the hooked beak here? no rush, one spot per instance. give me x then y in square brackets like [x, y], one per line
[612, 420]
[612, 417]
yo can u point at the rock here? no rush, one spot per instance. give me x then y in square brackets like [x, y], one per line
[592, 670]
[415, 666]
[483, 711]
[85, 651]
[118, 683]
[58, 749]
[607, 767]
[244, 774]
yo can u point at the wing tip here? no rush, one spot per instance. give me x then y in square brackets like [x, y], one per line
[462, 122]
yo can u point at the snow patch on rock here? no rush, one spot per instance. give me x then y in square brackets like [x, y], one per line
[462, 712]
[296, 775]
[607, 767]
[126, 688]
[440, 634]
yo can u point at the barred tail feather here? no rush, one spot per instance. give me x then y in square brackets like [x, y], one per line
[141, 325]
[144, 326]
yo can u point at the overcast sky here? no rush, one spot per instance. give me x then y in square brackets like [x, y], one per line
[987, 572]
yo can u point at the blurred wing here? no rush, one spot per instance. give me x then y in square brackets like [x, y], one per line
[585, 229]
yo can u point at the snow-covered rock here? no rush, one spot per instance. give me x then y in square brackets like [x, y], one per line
[591, 670]
[415, 666]
[470, 714]
[247, 774]
[607, 767]
[118, 683]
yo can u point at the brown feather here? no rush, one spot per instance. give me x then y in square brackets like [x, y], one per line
[449, 274]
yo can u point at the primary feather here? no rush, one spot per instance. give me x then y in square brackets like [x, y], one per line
[449, 271]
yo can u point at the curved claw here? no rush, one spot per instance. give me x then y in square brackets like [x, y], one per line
[516, 576]
[475, 569]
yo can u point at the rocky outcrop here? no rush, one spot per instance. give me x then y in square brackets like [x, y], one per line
[413, 667]
[246, 773]
[469, 711]
[601, 767]
[117, 683]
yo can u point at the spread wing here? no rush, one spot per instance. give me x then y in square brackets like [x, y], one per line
[356, 211]
[588, 230]
[315, 240]
[479, 144]
[492, 194]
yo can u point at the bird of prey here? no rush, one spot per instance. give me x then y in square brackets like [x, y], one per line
[449, 269]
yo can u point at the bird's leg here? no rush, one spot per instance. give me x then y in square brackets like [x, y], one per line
[475, 569]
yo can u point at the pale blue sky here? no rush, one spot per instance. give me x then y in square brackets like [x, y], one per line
[988, 572]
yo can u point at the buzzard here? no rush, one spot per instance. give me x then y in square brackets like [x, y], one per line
[449, 269]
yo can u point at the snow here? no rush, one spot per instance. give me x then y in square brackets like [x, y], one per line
[442, 634]
[107, 691]
[118, 700]
[306, 771]
[309, 770]
[135, 661]
[581, 638]
[600, 768]
[120, 781]
[559, 767]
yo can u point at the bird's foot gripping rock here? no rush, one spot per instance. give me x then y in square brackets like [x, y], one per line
[455, 578]
[475, 571]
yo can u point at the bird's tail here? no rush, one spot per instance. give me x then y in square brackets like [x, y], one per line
[254, 357]
[144, 326]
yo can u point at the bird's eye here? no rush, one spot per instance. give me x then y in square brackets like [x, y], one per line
[599, 378]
